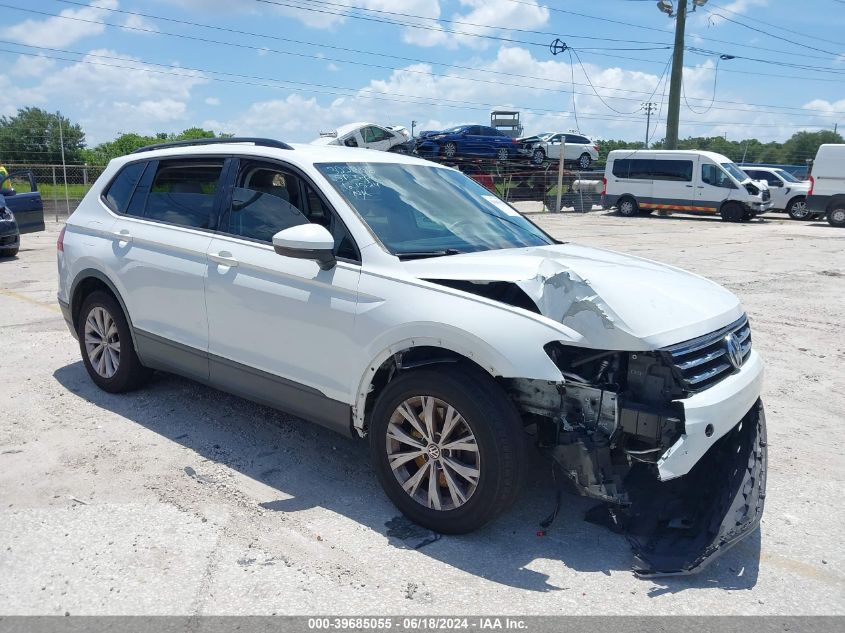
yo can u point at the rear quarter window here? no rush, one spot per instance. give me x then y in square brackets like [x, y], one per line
[120, 189]
[183, 192]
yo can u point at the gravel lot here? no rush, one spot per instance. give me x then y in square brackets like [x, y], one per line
[179, 499]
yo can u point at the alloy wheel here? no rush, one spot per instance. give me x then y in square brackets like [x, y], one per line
[433, 453]
[799, 210]
[102, 342]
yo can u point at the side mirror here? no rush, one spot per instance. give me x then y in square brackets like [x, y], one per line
[306, 241]
[776, 183]
[7, 192]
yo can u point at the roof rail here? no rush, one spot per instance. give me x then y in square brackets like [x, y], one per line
[263, 142]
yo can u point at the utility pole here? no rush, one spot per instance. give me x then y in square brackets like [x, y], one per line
[64, 165]
[650, 108]
[677, 77]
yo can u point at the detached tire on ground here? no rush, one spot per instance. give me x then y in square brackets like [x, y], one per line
[447, 446]
[106, 345]
[627, 206]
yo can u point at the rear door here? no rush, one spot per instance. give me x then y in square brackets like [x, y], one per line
[160, 245]
[672, 180]
[24, 201]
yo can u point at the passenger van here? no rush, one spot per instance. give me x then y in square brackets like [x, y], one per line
[692, 181]
[827, 184]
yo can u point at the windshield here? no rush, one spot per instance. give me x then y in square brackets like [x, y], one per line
[735, 171]
[423, 211]
[786, 175]
[454, 130]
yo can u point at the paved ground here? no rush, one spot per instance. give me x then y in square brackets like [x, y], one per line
[181, 499]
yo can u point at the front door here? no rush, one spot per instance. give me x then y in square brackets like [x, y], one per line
[713, 186]
[22, 199]
[280, 328]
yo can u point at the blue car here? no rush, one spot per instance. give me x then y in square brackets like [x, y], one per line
[465, 141]
[20, 212]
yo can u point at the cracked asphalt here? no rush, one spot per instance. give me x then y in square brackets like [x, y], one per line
[179, 499]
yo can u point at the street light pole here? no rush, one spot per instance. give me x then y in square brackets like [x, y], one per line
[677, 78]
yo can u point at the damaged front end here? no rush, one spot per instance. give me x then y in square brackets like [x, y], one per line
[610, 422]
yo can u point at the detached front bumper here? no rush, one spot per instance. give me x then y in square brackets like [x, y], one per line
[679, 527]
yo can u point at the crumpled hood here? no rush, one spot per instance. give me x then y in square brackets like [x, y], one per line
[613, 301]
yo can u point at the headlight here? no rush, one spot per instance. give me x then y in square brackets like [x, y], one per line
[7, 215]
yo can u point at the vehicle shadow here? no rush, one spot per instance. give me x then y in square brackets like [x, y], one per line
[313, 467]
[694, 217]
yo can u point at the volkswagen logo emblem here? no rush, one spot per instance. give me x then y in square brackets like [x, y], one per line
[733, 350]
[433, 451]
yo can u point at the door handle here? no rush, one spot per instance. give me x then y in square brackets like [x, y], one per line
[223, 258]
[701, 186]
[690, 186]
[122, 236]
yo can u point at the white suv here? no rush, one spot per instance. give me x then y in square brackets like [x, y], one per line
[788, 193]
[580, 150]
[387, 297]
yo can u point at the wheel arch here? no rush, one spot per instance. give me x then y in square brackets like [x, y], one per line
[91, 280]
[410, 354]
[835, 201]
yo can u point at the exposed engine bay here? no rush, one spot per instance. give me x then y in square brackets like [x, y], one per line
[608, 423]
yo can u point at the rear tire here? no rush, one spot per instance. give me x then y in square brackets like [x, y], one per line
[585, 160]
[836, 215]
[797, 209]
[627, 206]
[450, 149]
[106, 345]
[470, 487]
[503, 153]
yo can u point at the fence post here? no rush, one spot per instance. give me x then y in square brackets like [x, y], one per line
[55, 184]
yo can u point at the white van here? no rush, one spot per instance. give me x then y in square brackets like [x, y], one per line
[827, 184]
[691, 181]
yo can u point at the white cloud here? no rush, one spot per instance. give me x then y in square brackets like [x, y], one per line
[212, 101]
[332, 67]
[153, 111]
[714, 16]
[139, 24]
[29, 67]
[58, 31]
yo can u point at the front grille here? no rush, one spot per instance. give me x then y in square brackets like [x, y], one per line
[704, 361]
[767, 195]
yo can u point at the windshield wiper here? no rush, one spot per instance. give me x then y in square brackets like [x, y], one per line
[422, 254]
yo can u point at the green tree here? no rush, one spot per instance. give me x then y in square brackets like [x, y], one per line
[803, 145]
[128, 142]
[32, 136]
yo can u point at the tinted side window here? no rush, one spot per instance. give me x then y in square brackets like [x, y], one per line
[183, 192]
[264, 202]
[121, 188]
[621, 167]
[576, 140]
[641, 168]
[680, 170]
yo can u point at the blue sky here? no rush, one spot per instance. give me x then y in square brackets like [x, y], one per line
[290, 68]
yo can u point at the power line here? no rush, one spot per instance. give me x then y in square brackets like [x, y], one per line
[237, 78]
[780, 28]
[324, 58]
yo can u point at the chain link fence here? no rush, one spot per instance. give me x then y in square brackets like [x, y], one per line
[61, 186]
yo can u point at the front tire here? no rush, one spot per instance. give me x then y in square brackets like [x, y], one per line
[503, 153]
[732, 212]
[447, 447]
[797, 209]
[538, 157]
[836, 215]
[628, 207]
[106, 345]
[9, 252]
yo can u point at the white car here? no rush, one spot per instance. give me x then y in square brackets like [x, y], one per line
[788, 193]
[580, 150]
[393, 299]
[827, 184]
[367, 135]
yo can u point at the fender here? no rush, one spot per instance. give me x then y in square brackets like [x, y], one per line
[481, 353]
